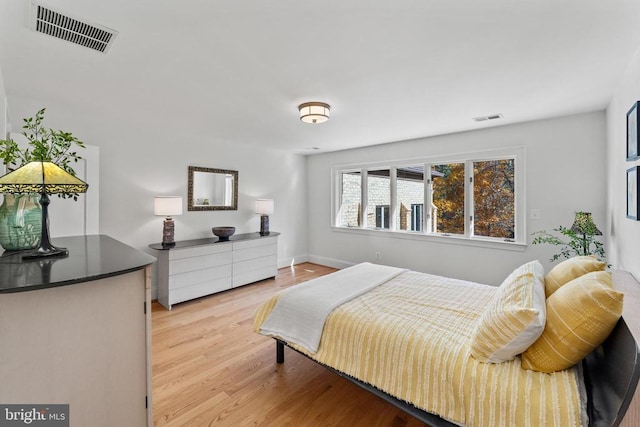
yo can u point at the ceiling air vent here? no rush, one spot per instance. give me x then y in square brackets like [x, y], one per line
[47, 21]
[485, 118]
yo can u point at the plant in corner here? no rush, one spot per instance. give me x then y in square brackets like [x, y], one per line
[580, 238]
[20, 216]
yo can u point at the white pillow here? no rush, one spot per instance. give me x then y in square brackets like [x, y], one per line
[515, 318]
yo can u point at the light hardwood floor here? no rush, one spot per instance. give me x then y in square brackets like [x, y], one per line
[210, 368]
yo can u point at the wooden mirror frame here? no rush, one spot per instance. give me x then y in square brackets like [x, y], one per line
[191, 206]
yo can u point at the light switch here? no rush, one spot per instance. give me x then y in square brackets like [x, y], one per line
[535, 214]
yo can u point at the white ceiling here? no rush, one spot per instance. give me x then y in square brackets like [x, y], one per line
[236, 70]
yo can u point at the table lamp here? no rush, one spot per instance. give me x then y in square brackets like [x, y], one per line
[264, 207]
[167, 206]
[44, 178]
[583, 224]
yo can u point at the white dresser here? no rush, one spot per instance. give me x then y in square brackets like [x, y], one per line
[195, 268]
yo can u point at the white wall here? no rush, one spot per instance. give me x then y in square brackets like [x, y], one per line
[3, 112]
[138, 162]
[564, 173]
[624, 245]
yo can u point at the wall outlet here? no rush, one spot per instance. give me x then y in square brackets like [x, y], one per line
[378, 255]
[534, 214]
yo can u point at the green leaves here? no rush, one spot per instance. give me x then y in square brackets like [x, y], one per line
[44, 144]
[10, 153]
[575, 244]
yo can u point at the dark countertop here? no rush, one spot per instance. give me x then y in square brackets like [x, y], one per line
[211, 240]
[90, 258]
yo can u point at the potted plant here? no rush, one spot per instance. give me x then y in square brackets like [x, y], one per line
[20, 216]
[580, 239]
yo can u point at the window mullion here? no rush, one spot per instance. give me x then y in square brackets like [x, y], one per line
[427, 213]
[337, 198]
[364, 196]
[393, 191]
[468, 198]
[519, 213]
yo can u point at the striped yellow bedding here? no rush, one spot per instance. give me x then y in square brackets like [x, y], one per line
[410, 338]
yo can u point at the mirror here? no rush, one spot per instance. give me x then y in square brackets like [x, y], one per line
[212, 189]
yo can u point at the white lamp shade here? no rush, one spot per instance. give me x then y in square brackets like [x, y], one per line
[314, 112]
[264, 206]
[167, 205]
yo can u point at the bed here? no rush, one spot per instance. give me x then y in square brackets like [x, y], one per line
[409, 338]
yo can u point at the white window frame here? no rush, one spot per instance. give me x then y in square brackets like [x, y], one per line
[516, 153]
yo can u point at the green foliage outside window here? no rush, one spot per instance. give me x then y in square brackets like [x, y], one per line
[493, 194]
[448, 197]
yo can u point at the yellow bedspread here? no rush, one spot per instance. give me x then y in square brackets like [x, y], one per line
[410, 338]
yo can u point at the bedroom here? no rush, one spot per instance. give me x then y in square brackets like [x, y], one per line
[117, 101]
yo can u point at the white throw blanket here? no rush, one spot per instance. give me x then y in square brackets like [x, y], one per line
[299, 315]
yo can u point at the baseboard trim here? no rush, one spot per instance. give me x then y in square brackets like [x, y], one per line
[329, 262]
[288, 262]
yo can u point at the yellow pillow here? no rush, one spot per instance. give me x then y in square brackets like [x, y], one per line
[514, 319]
[580, 316]
[570, 269]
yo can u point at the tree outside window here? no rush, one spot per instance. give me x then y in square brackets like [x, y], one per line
[494, 198]
[448, 197]
[465, 197]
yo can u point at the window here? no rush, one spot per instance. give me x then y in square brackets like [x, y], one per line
[351, 185]
[494, 198]
[474, 196]
[417, 218]
[448, 196]
[382, 216]
[409, 193]
[378, 194]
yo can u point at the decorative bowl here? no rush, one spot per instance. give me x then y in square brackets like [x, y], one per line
[223, 233]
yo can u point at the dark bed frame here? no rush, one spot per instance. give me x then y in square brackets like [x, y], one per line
[611, 375]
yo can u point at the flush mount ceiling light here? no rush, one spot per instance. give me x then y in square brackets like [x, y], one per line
[314, 112]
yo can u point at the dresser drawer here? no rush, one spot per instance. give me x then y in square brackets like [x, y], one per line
[254, 243]
[255, 269]
[195, 277]
[183, 265]
[196, 251]
[246, 254]
[199, 290]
